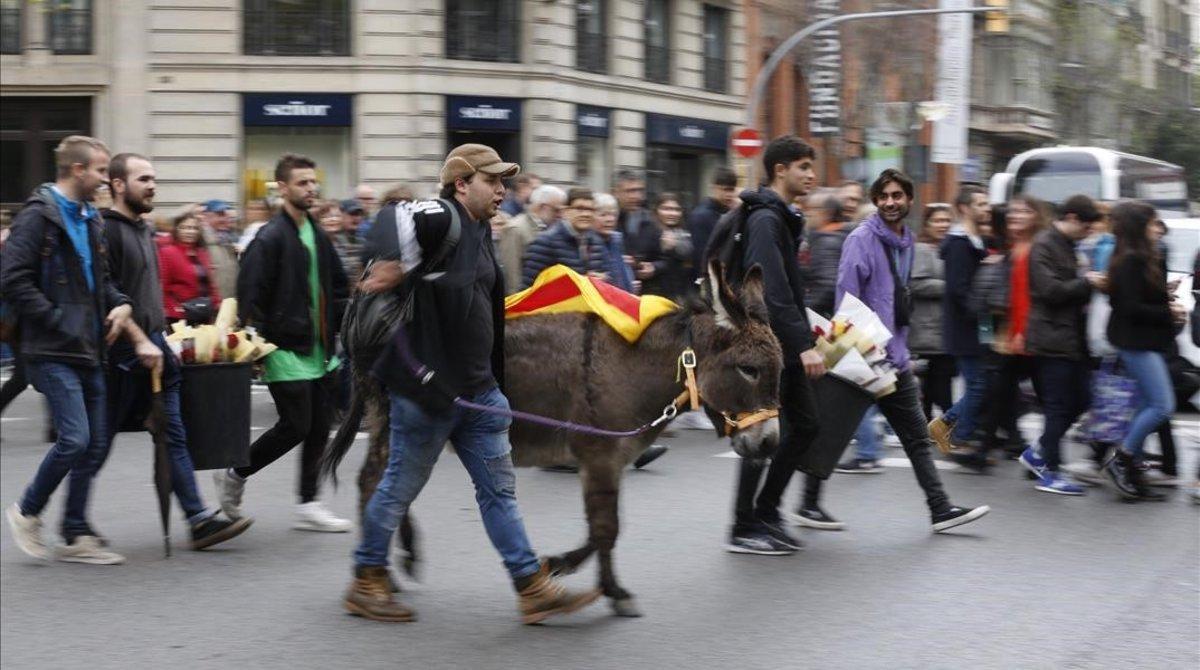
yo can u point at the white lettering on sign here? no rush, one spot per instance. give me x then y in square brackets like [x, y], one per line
[593, 121]
[825, 73]
[485, 112]
[692, 132]
[296, 108]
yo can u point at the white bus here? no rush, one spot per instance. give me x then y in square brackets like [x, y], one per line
[1055, 174]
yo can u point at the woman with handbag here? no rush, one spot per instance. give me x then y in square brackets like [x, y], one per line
[189, 290]
[928, 285]
[1142, 327]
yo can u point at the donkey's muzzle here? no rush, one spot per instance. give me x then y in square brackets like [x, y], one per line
[757, 441]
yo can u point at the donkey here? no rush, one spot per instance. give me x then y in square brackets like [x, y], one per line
[572, 367]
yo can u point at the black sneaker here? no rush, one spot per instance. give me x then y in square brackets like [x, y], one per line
[859, 466]
[957, 516]
[757, 542]
[650, 455]
[776, 530]
[815, 517]
[215, 530]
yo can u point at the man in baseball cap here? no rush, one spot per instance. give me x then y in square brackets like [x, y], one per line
[458, 338]
[467, 159]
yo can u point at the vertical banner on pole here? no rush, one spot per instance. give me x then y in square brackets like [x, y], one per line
[953, 84]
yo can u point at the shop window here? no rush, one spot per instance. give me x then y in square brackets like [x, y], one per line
[658, 41]
[10, 26]
[716, 49]
[591, 39]
[69, 25]
[591, 162]
[296, 27]
[485, 30]
[30, 129]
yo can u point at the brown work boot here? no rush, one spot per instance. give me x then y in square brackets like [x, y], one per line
[540, 596]
[939, 430]
[370, 596]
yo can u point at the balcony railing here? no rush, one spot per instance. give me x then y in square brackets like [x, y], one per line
[10, 30]
[471, 36]
[70, 31]
[591, 51]
[716, 74]
[658, 64]
[280, 32]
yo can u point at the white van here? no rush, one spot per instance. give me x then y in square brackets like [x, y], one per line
[1183, 241]
[1057, 173]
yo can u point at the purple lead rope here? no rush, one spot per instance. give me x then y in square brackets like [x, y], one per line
[425, 375]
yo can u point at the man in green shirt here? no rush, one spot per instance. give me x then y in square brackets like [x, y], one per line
[292, 288]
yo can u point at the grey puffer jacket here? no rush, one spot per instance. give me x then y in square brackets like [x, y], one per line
[928, 285]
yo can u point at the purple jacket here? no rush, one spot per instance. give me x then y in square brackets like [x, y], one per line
[864, 273]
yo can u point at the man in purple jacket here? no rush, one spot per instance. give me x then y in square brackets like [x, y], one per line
[877, 260]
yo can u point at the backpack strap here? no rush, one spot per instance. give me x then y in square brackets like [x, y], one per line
[449, 242]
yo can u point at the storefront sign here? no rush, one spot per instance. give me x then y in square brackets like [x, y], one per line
[591, 121]
[662, 129]
[953, 84]
[296, 109]
[825, 73]
[476, 113]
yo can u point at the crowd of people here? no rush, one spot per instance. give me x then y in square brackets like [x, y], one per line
[1074, 298]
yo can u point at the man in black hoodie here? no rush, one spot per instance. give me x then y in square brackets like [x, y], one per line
[722, 197]
[133, 267]
[772, 233]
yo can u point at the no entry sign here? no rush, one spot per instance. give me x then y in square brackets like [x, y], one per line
[747, 142]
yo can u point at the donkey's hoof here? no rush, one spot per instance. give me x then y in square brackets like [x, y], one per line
[626, 607]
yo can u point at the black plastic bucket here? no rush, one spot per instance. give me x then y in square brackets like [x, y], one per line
[215, 403]
[841, 407]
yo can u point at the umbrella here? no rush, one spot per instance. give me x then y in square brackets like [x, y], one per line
[156, 423]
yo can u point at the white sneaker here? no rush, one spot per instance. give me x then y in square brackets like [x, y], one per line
[27, 532]
[229, 492]
[313, 516]
[87, 549]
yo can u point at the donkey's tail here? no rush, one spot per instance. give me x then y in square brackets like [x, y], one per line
[341, 443]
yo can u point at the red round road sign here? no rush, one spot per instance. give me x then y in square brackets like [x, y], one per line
[747, 142]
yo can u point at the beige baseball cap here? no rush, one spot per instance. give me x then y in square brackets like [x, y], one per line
[467, 159]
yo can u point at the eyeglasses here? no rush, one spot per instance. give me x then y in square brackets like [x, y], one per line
[583, 209]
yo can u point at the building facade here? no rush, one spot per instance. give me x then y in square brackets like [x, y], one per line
[375, 91]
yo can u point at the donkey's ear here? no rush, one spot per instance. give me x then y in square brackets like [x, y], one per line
[752, 295]
[729, 311]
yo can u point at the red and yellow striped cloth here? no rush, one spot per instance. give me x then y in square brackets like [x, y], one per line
[560, 289]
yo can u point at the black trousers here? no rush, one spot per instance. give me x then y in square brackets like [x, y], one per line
[798, 425]
[17, 383]
[1001, 405]
[304, 418]
[903, 412]
[937, 384]
[1065, 390]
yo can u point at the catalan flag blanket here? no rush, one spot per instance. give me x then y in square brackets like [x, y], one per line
[560, 289]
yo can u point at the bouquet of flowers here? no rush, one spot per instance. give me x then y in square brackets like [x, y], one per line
[853, 343]
[218, 342]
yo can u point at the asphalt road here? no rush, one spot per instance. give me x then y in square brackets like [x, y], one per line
[1043, 582]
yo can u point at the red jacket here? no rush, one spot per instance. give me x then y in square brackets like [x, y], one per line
[179, 280]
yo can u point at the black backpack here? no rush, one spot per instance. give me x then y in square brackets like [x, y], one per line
[727, 244]
[371, 318]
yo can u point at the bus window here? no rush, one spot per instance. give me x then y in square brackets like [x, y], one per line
[1160, 185]
[1056, 177]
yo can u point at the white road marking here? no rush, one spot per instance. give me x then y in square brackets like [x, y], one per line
[885, 462]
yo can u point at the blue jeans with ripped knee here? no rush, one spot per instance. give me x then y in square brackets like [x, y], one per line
[481, 441]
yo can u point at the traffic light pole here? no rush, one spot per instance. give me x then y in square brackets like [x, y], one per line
[764, 75]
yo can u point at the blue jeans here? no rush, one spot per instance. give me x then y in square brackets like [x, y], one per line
[129, 398]
[965, 413]
[866, 445]
[1149, 370]
[76, 395]
[481, 442]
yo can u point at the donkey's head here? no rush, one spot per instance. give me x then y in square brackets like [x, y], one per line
[739, 364]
